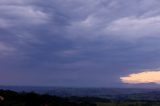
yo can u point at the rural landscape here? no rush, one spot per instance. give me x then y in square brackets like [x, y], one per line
[116, 97]
[79, 52]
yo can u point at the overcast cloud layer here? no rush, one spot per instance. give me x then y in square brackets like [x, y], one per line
[77, 42]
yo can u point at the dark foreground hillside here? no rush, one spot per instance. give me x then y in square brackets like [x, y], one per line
[11, 98]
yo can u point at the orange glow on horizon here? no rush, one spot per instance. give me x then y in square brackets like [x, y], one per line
[142, 77]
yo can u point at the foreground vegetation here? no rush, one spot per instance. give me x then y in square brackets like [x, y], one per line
[11, 98]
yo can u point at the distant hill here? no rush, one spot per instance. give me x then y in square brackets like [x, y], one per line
[108, 93]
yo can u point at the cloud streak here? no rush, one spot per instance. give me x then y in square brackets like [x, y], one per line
[13, 15]
[142, 77]
[135, 27]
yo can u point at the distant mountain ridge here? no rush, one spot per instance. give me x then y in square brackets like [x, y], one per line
[110, 93]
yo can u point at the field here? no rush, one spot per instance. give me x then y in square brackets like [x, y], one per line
[138, 103]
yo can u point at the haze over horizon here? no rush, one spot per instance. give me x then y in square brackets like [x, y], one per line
[80, 43]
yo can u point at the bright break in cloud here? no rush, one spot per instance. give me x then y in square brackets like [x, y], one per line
[142, 77]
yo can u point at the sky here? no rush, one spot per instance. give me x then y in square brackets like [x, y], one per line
[80, 43]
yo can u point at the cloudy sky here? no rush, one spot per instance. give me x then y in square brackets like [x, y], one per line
[84, 43]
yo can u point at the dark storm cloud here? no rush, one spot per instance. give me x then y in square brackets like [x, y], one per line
[77, 42]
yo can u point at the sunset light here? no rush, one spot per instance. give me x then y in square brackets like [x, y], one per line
[143, 77]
